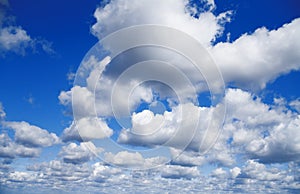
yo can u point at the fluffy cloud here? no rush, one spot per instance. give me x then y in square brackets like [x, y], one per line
[78, 154]
[9, 149]
[86, 129]
[14, 38]
[187, 158]
[177, 14]
[178, 172]
[132, 160]
[32, 136]
[2, 112]
[176, 128]
[259, 171]
[260, 130]
[253, 60]
[97, 177]
[295, 104]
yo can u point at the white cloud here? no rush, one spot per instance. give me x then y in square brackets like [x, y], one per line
[133, 160]
[10, 149]
[101, 172]
[176, 128]
[255, 59]
[86, 129]
[296, 105]
[177, 14]
[14, 38]
[259, 171]
[32, 136]
[178, 172]
[235, 172]
[260, 130]
[219, 172]
[2, 112]
[187, 158]
[78, 154]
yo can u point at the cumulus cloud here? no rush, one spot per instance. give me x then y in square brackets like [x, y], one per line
[119, 14]
[260, 130]
[32, 136]
[259, 171]
[133, 160]
[178, 172]
[10, 149]
[187, 158]
[78, 154]
[252, 129]
[175, 128]
[295, 104]
[14, 38]
[86, 129]
[255, 59]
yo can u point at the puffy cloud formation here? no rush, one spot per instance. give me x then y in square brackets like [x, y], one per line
[14, 38]
[179, 172]
[177, 14]
[253, 60]
[27, 139]
[32, 136]
[264, 132]
[259, 56]
[10, 149]
[178, 128]
[78, 154]
[133, 160]
[95, 178]
[86, 129]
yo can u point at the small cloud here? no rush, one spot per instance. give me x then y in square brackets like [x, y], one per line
[14, 38]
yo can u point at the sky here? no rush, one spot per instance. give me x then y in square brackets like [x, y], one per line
[152, 96]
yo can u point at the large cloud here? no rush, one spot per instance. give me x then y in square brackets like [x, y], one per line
[176, 128]
[132, 160]
[265, 132]
[32, 136]
[177, 14]
[253, 60]
[178, 172]
[10, 149]
[78, 154]
[86, 129]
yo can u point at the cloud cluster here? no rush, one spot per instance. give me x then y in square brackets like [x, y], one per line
[177, 14]
[56, 176]
[255, 59]
[27, 139]
[78, 154]
[10, 149]
[133, 160]
[31, 136]
[14, 38]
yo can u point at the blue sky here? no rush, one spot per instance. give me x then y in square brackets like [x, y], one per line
[254, 44]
